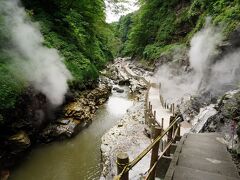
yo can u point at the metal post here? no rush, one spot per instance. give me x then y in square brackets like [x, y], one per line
[162, 122]
[169, 136]
[154, 156]
[122, 161]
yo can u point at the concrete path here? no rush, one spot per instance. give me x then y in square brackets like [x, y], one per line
[202, 157]
[154, 99]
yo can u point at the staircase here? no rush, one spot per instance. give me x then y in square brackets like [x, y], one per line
[202, 157]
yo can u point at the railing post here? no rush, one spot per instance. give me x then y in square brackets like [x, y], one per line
[173, 110]
[169, 136]
[179, 131]
[155, 150]
[122, 161]
[146, 116]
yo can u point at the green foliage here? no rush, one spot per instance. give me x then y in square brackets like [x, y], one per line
[161, 23]
[121, 32]
[77, 29]
[10, 86]
[154, 51]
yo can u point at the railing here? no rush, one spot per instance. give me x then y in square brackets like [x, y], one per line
[172, 132]
[150, 116]
[157, 133]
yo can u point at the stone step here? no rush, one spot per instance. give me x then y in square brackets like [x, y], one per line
[198, 152]
[183, 173]
[204, 134]
[205, 139]
[211, 165]
[205, 146]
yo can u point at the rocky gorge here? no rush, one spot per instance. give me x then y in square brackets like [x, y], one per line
[43, 124]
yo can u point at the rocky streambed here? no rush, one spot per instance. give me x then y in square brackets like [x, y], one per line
[75, 116]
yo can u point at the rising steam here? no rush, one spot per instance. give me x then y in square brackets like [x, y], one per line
[208, 72]
[42, 67]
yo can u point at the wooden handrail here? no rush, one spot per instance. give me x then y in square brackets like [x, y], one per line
[163, 152]
[172, 131]
[146, 151]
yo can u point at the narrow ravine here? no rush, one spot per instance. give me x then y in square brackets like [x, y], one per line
[77, 158]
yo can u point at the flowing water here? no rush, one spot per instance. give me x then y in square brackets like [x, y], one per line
[78, 158]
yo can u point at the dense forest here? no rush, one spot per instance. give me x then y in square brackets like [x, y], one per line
[77, 29]
[161, 26]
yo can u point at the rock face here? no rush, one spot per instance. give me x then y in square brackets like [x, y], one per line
[76, 115]
[226, 120]
[12, 148]
[33, 126]
[20, 140]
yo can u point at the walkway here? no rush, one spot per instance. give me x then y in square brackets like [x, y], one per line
[154, 99]
[202, 156]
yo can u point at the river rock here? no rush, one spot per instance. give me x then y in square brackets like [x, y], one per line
[13, 148]
[20, 140]
[65, 129]
[77, 115]
[119, 90]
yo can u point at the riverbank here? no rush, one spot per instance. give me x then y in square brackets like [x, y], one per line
[202, 112]
[78, 157]
[70, 120]
[42, 124]
[129, 135]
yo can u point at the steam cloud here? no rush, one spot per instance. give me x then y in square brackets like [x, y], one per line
[208, 72]
[41, 66]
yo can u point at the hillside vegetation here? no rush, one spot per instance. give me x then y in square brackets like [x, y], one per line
[161, 26]
[77, 29]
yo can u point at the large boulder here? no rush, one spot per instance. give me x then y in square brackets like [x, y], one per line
[118, 90]
[76, 115]
[64, 128]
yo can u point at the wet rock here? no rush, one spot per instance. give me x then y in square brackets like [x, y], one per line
[13, 148]
[66, 129]
[118, 90]
[202, 118]
[76, 115]
[19, 141]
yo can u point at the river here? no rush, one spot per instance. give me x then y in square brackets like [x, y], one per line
[78, 158]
